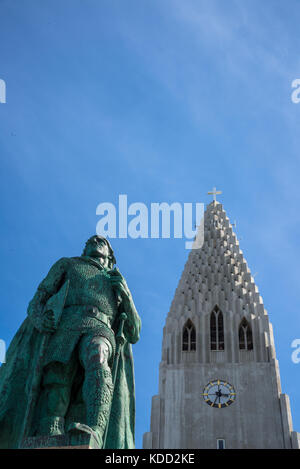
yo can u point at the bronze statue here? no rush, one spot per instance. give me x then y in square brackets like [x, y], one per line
[57, 380]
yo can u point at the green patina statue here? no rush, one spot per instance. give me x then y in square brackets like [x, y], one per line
[69, 368]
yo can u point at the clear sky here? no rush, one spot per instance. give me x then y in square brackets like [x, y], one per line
[160, 100]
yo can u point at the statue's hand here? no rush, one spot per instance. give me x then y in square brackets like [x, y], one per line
[48, 322]
[45, 323]
[119, 284]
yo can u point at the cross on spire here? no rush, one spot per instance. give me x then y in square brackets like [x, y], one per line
[214, 192]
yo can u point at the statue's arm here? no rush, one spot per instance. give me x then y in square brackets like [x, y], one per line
[48, 287]
[132, 325]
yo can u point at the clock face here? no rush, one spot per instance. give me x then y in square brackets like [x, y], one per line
[219, 394]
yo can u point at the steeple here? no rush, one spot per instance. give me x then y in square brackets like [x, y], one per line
[218, 331]
[218, 271]
[218, 274]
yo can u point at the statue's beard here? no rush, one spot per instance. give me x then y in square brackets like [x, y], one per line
[99, 258]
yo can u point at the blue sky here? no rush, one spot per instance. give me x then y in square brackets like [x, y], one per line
[161, 101]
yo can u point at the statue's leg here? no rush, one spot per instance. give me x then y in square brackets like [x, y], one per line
[55, 398]
[97, 391]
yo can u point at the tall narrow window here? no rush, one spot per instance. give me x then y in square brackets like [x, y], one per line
[189, 337]
[245, 336]
[216, 329]
[220, 444]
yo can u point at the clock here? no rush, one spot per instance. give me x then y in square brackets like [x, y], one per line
[219, 394]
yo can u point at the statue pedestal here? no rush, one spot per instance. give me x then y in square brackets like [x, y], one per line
[80, 441]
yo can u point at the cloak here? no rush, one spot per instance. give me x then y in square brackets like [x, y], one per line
[15, 383]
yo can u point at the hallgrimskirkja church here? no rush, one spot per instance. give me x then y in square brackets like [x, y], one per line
[219, 381]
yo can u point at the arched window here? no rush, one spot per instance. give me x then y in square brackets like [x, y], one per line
[216, 329]
[189, 337]
[245, 336]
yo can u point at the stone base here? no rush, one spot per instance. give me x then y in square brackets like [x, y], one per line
[80, 441]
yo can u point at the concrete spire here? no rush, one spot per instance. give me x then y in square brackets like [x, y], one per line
[218, 271]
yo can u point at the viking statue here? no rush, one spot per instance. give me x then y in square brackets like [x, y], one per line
[57, 379]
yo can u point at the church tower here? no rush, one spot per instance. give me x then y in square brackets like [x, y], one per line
[219, 382]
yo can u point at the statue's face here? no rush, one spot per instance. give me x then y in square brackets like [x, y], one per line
[96, 247]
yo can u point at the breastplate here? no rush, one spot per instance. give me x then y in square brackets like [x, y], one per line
[90, 286]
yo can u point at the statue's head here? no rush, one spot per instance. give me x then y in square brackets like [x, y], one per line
[100, 247]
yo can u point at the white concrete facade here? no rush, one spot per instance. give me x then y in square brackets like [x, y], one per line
[260, 416]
